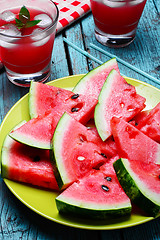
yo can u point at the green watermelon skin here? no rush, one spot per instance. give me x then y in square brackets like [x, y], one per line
[87, 197]
[117, 98]
[93, 81]
[26, 164]
[140, 182]
[133, 144]
[44, 98]
[76, 151]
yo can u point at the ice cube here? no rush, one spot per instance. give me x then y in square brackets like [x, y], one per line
[10, 30]
[114, 3]
[46, 21]
[39, 37]
[7, 16]
[38, 34]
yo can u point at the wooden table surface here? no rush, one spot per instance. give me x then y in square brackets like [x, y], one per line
[16, 220]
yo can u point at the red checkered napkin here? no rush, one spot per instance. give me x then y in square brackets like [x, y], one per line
[71, 10]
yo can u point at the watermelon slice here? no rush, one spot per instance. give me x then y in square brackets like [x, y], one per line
[117, 98]
[43, 98]
[98, 195]
[133, 144]
[150, 124]
[49, 103]
[37, 132]
[93, 81]
[76, 150]
[25, 164]
[141, 182]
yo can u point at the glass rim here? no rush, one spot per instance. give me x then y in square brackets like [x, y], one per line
[34, 34]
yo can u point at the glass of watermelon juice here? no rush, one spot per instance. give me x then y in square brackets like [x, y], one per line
[27, 33]
[116, 21]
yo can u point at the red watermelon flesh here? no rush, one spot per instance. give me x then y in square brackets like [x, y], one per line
[97, 195]
[117, 98]
[26, 164]
[93, 81]
[139, 117]
[108, 168]
[43, 97]
[148, 174]
[133, 144]
[140, 181]
[37, 132]
[76, 150]
[150, 124]
[108, 143]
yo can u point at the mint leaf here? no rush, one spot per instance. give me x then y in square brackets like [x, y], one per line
[31, 23]
[24, 15]
[24, 19]
[19, 24]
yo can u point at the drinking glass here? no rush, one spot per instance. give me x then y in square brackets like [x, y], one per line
[116, 20]
[26, 52]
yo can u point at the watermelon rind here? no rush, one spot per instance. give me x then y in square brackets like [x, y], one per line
[30, 139]
[100, 122]
[117, 98]
[59, 170]
[31, 100]
[5, 150]
[90, 211]
[4, 157]
[136, 190]
[83, 83]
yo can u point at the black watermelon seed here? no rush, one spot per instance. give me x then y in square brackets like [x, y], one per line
[36, 159]
[74, 109]
[108, 179]
[104, 155]
[136, 124]
[105, 188]
[159, 176]
[75, 96]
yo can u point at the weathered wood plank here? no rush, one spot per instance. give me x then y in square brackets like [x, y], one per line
[157, 5]
[59, 65]
[143, 52]
[147, 231]
[16, 220]
[78, 62]
[9, 93]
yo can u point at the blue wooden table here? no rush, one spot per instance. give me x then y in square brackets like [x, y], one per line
[16, 220]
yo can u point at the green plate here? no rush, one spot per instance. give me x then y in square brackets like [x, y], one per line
[43, 201]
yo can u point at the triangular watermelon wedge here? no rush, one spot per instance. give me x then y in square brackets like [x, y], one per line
[98, 195]
[26, 164]
[76, 150]
[133, 144]
[117, 98]
[93, 81]
[43, 97]
[37, 132]
[141, 182]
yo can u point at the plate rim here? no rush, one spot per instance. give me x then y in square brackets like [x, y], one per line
[65, 223]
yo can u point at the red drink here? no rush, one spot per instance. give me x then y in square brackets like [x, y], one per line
[117, 19]
[27, 55]
[27, 51]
